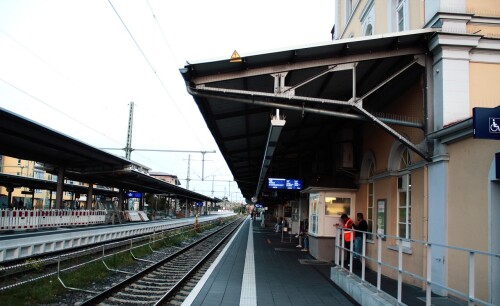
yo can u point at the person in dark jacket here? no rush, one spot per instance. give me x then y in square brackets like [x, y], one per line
[358, 240]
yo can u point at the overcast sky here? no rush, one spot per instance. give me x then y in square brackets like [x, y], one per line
[74, 66]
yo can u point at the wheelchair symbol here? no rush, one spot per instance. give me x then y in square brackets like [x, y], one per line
[494, 128]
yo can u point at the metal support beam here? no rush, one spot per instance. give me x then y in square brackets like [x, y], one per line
[254, 101]
[90, 195]
[328, 70]
[60, 185]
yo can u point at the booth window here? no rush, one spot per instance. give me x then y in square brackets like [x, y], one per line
[336, 206]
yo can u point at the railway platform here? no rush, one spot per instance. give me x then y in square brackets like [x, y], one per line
[261, 267]
[20, 245]
[258, 268]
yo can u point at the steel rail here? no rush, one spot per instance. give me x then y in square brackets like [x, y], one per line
[102, 296]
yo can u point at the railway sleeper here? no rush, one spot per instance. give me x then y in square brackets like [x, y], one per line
[139, 295]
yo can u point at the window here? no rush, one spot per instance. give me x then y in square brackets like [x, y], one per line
[313, 213]
[370, 202]
[369, 30]
[39, 175]
[367, 18]
[402, 15]
[348, 8]
[336, 206]
[404, 197]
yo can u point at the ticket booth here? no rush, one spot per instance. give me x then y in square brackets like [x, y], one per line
[326, 205]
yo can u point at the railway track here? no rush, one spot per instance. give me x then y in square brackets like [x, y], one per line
[17, 272]
[166, 281]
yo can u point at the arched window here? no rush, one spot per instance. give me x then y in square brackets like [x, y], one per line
[404, 196]
[369, 30]
[367, 173]
[367, 18]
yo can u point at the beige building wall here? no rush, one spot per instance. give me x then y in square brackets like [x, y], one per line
[378, 141]
[468, 213]
[417, 14]
[484, 89]
[469, 160]
[483, 7]
[383, 23]
[15, 166]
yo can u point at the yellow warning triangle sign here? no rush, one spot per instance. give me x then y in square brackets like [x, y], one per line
[235, 57]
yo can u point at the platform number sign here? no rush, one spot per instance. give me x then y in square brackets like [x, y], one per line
[486, 122]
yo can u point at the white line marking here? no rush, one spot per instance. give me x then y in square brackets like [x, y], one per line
[194, 293]
[248, 295]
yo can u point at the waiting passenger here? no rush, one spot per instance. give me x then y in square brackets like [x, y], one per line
[358, 240]
[279, 225]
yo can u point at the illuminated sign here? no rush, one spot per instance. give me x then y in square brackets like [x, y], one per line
[281, 183]
[133, 195]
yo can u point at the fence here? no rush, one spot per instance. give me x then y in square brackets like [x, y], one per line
[152, 241]
[480, 268]
[37, 219]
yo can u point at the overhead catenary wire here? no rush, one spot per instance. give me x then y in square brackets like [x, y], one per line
[61, 74]
[57, 110]
[167, 92]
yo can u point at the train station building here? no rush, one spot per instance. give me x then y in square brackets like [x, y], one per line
[378, 121]
[396, 118]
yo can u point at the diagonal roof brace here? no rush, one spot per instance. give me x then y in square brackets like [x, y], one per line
[357, 104]
[391, 131]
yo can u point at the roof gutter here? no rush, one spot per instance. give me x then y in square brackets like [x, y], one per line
[454, 132]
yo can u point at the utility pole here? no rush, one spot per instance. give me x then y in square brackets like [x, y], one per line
[189, 165]
[213, 179]
[128, 146]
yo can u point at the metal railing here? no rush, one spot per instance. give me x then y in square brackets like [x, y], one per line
[468, 255]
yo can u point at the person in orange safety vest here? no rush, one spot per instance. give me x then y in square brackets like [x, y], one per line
[347, 224]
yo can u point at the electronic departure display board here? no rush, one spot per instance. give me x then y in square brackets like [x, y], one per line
[131, 194]
[282, 183]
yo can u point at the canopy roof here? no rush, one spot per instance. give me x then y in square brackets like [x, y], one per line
[324, 94]
[25, 139]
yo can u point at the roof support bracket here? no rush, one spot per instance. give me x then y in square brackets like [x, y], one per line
[374, 89]
[395, 134]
